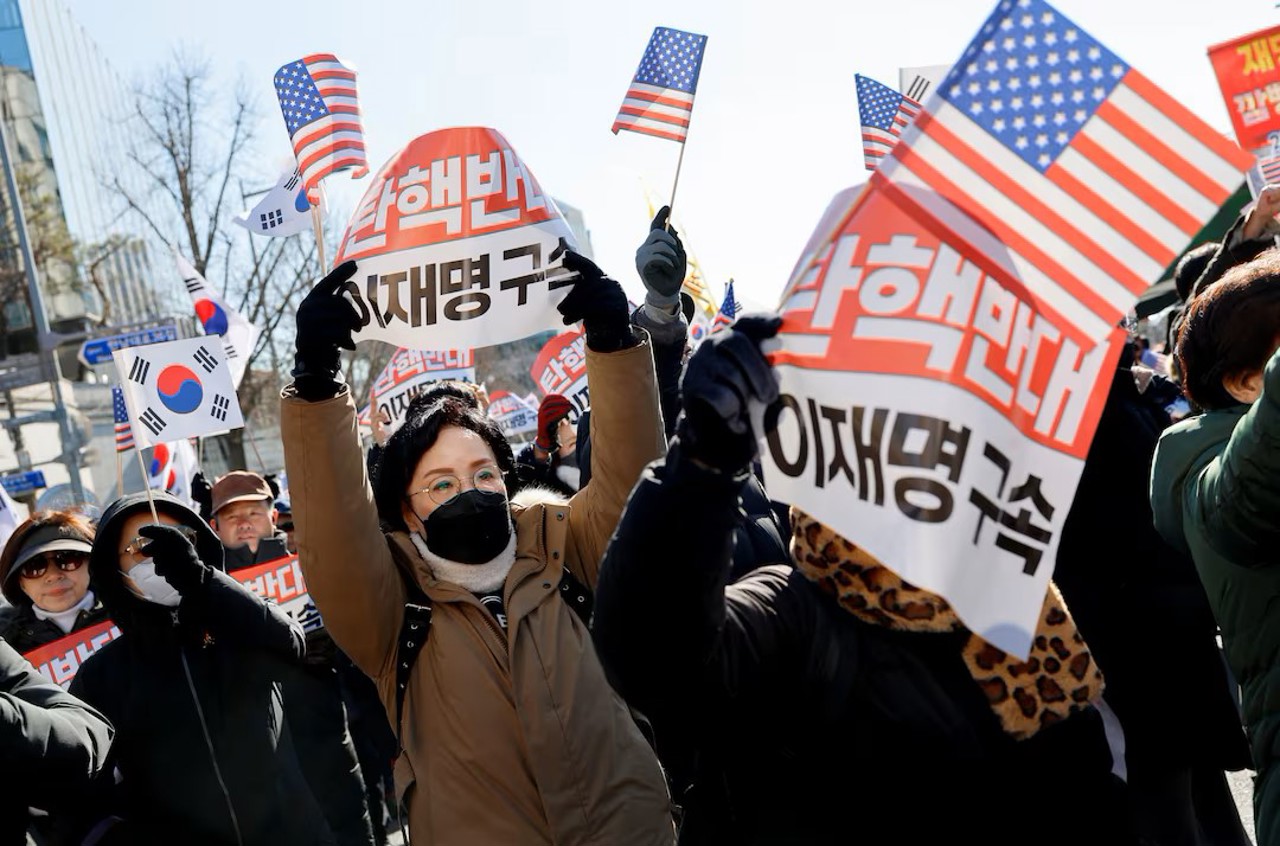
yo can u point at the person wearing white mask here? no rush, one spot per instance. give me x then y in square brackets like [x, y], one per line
[192, 687]
[45, 578]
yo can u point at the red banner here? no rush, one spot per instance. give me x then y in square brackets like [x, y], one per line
[60, 661]
[1248, 71]
[561, 368]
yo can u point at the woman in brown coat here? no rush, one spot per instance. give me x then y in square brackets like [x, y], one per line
[510, 731]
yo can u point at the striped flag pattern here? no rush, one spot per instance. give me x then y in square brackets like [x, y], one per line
[317, 96]
[728, 310]
[884, 113]
[1084, 179]
[660, 99]
[120, 411]
[1269, 167]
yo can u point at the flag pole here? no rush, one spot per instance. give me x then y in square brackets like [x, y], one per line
[151, 500]
[676, 184]
[253, 442]
[119, 472]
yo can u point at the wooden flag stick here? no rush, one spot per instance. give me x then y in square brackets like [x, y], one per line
[253, 442]
[119, 472]
[675, 185]
[151, 500]
[319, 230]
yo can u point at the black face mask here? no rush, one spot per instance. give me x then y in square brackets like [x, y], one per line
[472, 528]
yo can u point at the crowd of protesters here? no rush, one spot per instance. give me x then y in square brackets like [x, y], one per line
[617, 637]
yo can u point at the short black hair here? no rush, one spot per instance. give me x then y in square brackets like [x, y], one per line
[1191, 267]
[439, 390]
[1229, 329]
[418, 434]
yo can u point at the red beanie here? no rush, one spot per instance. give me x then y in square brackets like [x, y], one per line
[553, 408]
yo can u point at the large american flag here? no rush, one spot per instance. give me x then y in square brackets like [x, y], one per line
[660, 99]
[120, 411]
[884, 113]
[1085, 179]
[318, 99]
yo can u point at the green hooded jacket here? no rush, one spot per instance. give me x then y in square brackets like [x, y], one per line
[1215, 493]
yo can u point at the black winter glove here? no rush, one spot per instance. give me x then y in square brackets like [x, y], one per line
[202, 493]
[176, 558]
[726, 376]
[600, 304]
[661, 263]
[325, 323]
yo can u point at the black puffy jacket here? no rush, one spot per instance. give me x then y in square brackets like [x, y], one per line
[783, 719]
[202, 749]
[53, 746]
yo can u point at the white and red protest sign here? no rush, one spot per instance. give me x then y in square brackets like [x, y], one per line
[514, 415]
[410, 372]
[933, 414]
[281, 581]
[60, 660]
[561, 368]
[457, 245]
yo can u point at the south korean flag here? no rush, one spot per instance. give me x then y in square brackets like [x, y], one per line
[177, 390]
[284, 211]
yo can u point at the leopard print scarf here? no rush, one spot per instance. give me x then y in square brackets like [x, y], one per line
[1058, 678]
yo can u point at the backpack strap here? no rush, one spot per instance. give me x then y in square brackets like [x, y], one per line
[416, 627]
[576, 596]
[414, 630]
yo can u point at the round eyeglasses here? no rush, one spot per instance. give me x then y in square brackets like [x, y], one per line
[444, 488]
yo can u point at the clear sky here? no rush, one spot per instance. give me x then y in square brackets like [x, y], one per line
[774, 132]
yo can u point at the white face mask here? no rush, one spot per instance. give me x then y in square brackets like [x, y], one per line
[151, 586]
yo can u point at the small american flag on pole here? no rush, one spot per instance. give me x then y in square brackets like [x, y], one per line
[1085, 180]
[728, 310]
[1269, 167]
[660, 99]
[124, 431]
[884, 113]
[318, 100]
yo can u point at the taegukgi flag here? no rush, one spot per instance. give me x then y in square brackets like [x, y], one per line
[238, 335]
[179, 389]
[284, 211]
[457, 246]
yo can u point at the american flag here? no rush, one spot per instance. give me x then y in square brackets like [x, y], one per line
[728, 310]
[1269, 167]
[884, 113]
[318, 99]
[124, 431]
[1084, 179]
[660, 99]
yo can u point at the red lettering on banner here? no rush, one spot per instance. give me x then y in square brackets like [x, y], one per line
[1249, 76]
[893, 297]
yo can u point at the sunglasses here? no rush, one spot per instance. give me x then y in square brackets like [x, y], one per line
[66, 560]
[135, 546]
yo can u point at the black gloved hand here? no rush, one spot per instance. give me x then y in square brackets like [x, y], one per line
[176, 557]
[600, 304]
[661, 263]
[202, 493]
[325, 323]
[726, 376]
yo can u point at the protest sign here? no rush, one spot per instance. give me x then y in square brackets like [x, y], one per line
[60, 660]
[1249, 76]
[457, 246]
[410, 372]
[513, 414]
[561, 368]
[281, 581]
[933, 414]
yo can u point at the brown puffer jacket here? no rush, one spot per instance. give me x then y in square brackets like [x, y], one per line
[511, 738]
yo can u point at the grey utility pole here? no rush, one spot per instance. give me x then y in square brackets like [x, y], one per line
[45, 338]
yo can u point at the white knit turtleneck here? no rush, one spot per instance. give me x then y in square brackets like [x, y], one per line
[477, 578]
[65, 620]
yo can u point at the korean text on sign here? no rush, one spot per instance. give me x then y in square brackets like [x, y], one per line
[933, 414]
[561, 368]
[457, 246]
[1248, 71]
